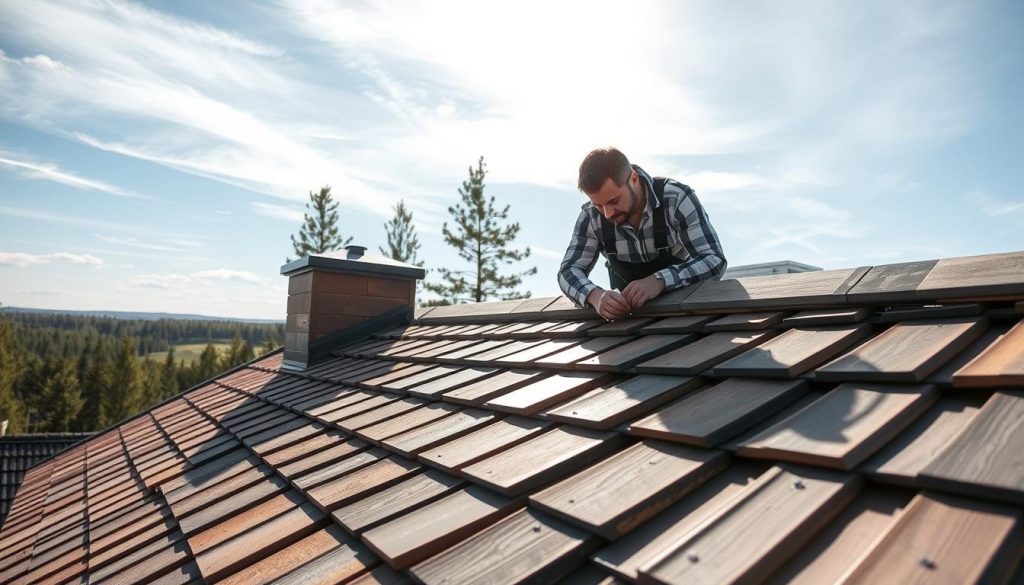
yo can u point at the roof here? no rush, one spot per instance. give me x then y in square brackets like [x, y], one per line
[20, 452]
[354, 260]
[863, 424]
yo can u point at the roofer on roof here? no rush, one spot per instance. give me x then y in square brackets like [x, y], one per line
[653, 232]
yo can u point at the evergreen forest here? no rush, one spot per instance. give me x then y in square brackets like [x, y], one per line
[74, 373]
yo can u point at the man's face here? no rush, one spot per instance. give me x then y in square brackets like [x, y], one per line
[615, 202]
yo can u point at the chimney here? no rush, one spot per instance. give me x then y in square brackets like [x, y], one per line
[332, 293]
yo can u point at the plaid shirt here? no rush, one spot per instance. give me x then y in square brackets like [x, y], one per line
[692, 241]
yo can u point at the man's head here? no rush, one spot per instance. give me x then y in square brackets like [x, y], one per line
[611, 184]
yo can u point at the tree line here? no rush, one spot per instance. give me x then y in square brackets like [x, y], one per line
[480, 234]
[81, 373]
[61, 373]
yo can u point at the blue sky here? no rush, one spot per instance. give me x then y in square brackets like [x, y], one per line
[156, 156]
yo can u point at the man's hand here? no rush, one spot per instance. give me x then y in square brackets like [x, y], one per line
[640, 291]
[608, 303]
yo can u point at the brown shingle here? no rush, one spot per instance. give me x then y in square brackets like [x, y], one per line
[541, 459]
[330, 543]
[370, 511]
[619, 493]
[492, 438]
[610, 405]
[710, 415]
[759, 530]
[526, 546]
[702, 354]
[844, 427]
[906, 352]
[793, 352]
[548, 391]
[426, 531]
[945, 539]
[1001, 364]
[988, 455]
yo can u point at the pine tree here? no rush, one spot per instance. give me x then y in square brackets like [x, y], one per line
[319, 232]
[402, 241]
[123, 397]
[480, 240]
[62, 395]
[248, 353]
[169, 376]
[233, 356]
[268, 345]
[152, 388]
[11, 408]
[97, 381]
[208, 365]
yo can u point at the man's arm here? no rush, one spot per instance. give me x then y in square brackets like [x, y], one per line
[573, 273]
[706, 258]
[579, 260]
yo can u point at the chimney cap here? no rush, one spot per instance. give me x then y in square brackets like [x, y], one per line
[353, 260]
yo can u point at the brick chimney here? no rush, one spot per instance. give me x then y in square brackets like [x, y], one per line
[337, 292]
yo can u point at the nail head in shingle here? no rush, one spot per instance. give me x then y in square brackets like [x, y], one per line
[574, 412]
[799, 484]
[536, 527]
[692, 557]
[927, 563]
[572, 500]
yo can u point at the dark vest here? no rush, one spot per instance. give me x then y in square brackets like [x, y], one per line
[621, 273]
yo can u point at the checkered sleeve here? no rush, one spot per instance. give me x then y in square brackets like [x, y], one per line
[705, 258]
[579, 260]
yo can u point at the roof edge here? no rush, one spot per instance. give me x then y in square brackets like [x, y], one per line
[967, 278]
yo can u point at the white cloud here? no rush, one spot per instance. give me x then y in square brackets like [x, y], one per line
[226, 274]
[23, 260]
[185, 282]
[997, 207]
[51, 172]
[277, 211]
[547, 252]
[136, 243]
[211, 99]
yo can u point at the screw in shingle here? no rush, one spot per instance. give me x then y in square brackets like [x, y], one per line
[927, 563]
[692, 557]
[799, 484]
[536, 527]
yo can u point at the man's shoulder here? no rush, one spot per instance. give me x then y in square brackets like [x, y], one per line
[677, 193]
[677, 188]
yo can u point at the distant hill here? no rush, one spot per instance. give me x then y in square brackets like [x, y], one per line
[136, 315]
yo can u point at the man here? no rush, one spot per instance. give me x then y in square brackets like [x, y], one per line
[653, 232]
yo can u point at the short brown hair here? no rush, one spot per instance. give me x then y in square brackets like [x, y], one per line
[600, 165]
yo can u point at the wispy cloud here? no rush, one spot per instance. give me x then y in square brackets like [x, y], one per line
[186, 281]
[547, 252]
[24, 260]
[136, 243]
[214, 102]
[51, 172]
[278, 211]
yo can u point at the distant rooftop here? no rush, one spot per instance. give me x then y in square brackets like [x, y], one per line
[766, 268]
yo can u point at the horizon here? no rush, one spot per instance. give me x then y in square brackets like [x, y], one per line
[156, 158]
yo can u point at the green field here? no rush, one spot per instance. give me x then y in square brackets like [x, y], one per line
[189, 351]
